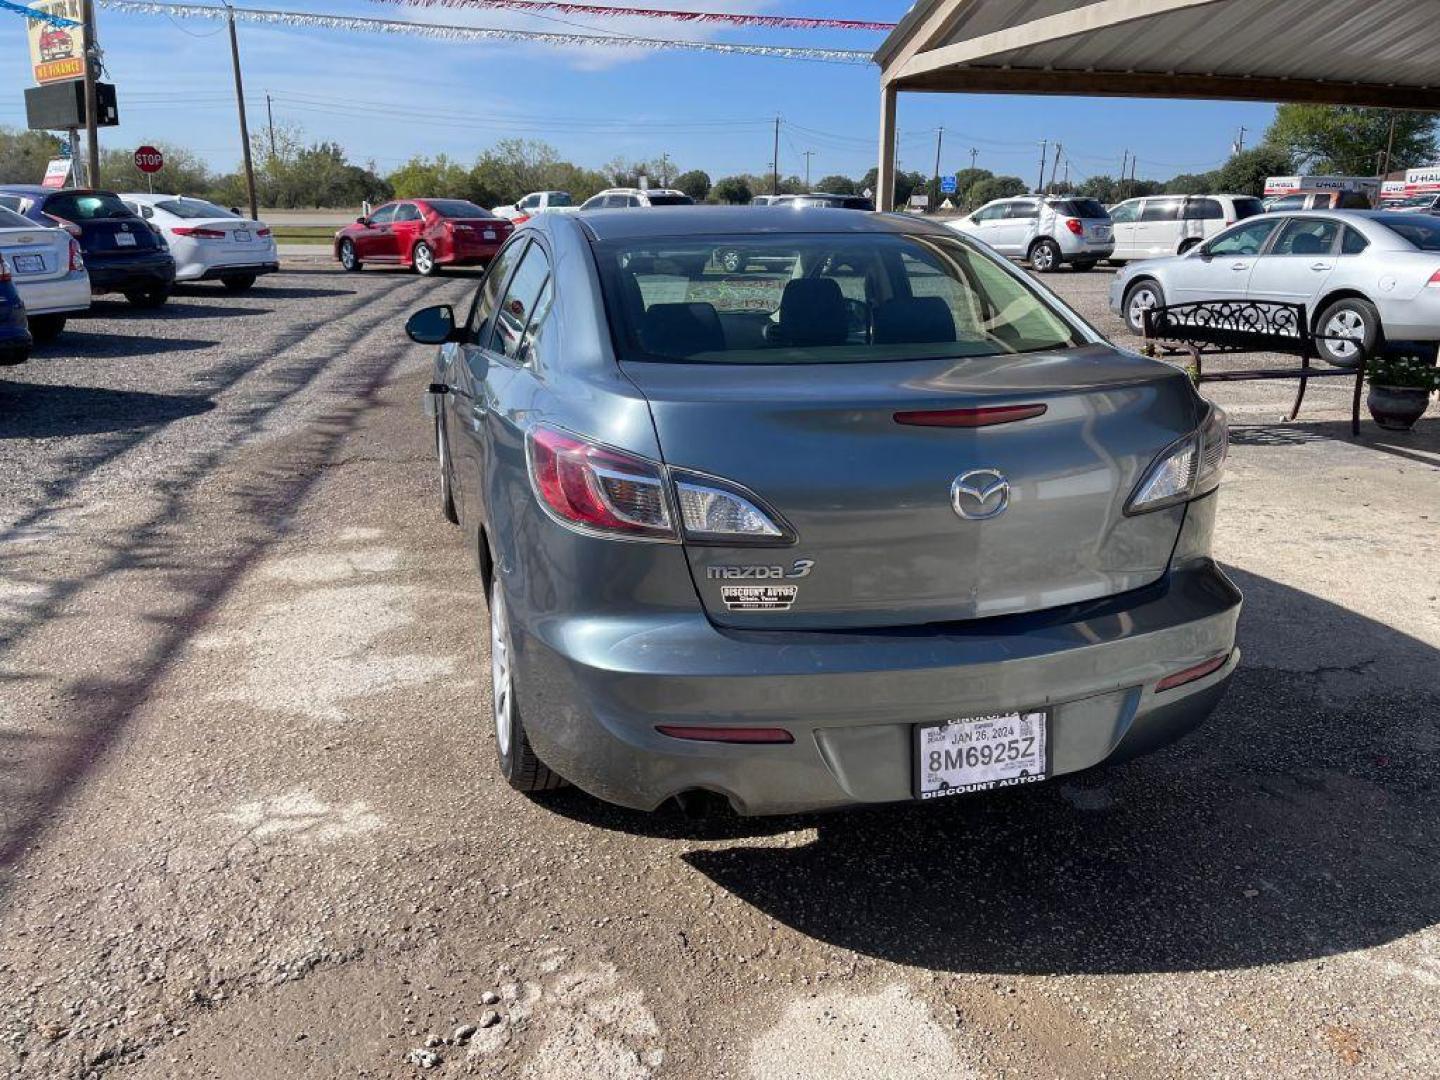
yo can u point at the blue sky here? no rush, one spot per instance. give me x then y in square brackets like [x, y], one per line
[387, 97]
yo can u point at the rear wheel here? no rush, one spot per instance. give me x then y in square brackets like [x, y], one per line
[447, 491]
[237, 282]
[422, 257]
[1045, 256]
[46, 327]
[518, 764]
[348, 258]
[1139, 298]
[152, 296]
[1356, 323]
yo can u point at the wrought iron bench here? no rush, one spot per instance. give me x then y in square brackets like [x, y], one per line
[1216, 327]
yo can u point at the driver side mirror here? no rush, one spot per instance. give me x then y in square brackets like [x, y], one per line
[362, 220]
[432, 325]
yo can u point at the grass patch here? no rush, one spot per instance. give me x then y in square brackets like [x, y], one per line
[303, 234]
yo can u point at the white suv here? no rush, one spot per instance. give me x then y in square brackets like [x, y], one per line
[1044, 230]
[618, 197]
[1160, 225]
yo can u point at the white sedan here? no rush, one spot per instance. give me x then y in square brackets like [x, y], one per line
[48, 270]
[208, 241]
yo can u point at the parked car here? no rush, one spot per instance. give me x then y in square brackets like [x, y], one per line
[122, 253]
[819, 541]
[48, 272]
[1173, 224]
[15, 340]
[424, 234]
[1046, 231]
[1364, 276]
[1318, 200]
[209, 242]
[765, 200]
[537, 202]
[824, 200]
[616, 198]
[1416, 204]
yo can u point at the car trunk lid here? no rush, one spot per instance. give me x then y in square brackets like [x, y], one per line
[878, 539]
[35, 255]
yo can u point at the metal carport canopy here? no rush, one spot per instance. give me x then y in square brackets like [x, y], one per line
[1382, 53]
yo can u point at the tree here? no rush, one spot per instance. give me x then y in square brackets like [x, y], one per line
[1097, 187]
[995, 187]
[1245, 172]
[836, 184]
[440, 178]
[1191, 184]
[184, 173]
[1348, 140]
[695, 183]
[513, 168]
[732, 189]
[24, 155]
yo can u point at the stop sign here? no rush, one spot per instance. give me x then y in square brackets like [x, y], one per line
[149, 160]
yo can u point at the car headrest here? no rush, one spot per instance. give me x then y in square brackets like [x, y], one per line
[681, 330]
[918, 320]
[1307, 244]
[812, 312]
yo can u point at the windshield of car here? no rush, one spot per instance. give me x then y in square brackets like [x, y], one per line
[9, 219]
[1413, 200]
[193, 208]
[671, 200]
[1080, 208]
[560, 198]
[78, 206]
[810, 298]
[1420, 231]
[460, 208]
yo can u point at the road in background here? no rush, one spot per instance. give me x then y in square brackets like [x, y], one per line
[252, 824]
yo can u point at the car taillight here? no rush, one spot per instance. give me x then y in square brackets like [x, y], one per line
[1434, 282]
[1186, 469]
[4, 270]
[262, 232]
[598, 489]
[60, 223]
[198, 231]
[77, 257]
[594, 488]
[1074, 226]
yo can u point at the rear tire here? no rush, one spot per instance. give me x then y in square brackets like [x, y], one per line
[447, 489]
[348, 259]
[1143, 294]
[152, 297]
[1354, 319]
[522, 770]
[1044, 256]
[237, 282]
[45, 328]
[422, 258]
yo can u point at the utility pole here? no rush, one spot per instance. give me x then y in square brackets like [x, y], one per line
[1055, 168]
[1124, 162]
[664, 169]
[240, 104]
[270, 120]
[808, 155]
[1044, 153]
[1067, 172]
[939, 141]
[775, 161]
[1240, 140]
[973, 155]
[1133, 159]
[92, 104]
[1389, 146]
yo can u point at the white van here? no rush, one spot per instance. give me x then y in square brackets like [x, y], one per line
[1159, 225]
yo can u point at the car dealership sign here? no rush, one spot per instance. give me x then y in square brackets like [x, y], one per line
[57, 53]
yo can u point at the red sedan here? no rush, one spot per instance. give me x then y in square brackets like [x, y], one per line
[423, 233]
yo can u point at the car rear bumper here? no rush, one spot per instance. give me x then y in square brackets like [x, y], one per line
[58, 296]
[210, 271]
[470, 255]
[122, 275]
[592, 690]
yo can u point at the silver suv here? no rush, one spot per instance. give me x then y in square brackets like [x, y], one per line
[1044, 230]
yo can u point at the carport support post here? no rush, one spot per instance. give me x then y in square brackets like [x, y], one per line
[885, 174]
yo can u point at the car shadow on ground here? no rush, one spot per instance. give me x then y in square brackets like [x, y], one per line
[1294, 825]
[112, 309]
[1421, 444]
[41, 411]
[78, 343]
[259, 292]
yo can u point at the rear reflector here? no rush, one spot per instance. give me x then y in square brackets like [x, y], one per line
[969, 418]
[1190, 674]
[727, 734]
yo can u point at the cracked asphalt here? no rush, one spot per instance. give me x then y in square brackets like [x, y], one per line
[251, 825]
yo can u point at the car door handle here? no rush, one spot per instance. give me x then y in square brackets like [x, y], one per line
[1240, 266]
[1320, 266]
[477, 414]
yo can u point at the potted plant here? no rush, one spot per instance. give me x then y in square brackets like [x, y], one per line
[1400, 388]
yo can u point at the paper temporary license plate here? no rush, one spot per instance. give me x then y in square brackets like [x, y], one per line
[124, 239]
[29, 264]
[242, 236]
[978, 753]
[489, 234]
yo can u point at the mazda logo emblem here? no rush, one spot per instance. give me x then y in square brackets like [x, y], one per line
[980, 494]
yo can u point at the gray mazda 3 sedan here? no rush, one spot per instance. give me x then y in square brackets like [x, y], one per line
[885, 521]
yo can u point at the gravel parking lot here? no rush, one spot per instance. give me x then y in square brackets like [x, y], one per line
[251, 824]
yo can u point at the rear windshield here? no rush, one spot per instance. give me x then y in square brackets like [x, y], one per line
[1081, 208]
[671, 200]
[9, 219]
[193, 208]
[819, 299]
[1248, 208]
[1422, 231]
[459, 208]
[75, 206]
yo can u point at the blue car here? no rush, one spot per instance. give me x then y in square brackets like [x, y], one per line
[15, 339]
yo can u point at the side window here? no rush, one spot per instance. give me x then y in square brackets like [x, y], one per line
[630, 200]
[1202, 209]
[529, 202]
[530, 342]
[1022, 209]
[1246, 239]
[1306, 236]
[1125, 212]
[1167, 209]
[1353, 243]
[990, 213]
[384, 215]
[516, 310]
[487, 298]
[407, 212]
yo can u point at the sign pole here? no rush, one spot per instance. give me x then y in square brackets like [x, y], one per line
[244, 128]
[74, 156]
[92, 105]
